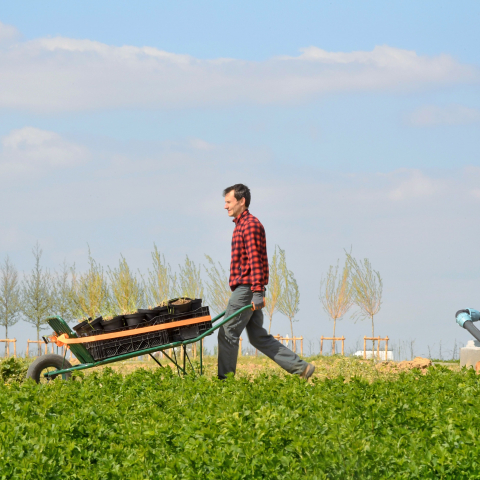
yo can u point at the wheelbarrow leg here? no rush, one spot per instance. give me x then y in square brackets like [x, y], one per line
[176, 362]
[185, 354]
[156, 360]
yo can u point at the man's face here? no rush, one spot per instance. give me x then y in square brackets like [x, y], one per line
[233, 206]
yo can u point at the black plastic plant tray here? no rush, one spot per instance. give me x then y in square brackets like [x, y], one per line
[118, 346]
[178, 334]
[95, 349]
[113, 347]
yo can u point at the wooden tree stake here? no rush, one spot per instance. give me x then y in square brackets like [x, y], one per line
[333, 339]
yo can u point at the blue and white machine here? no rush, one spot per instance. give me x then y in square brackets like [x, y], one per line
[465, 319]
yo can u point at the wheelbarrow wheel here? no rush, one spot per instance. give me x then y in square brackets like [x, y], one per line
[48, 363]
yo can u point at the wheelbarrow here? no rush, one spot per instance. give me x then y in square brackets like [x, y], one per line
[48, 367]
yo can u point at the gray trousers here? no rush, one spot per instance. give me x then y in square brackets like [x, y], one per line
[229, 335]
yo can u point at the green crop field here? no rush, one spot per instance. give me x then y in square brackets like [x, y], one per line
[151, 424]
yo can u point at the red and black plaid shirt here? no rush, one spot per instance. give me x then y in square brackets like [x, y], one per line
[249, 264]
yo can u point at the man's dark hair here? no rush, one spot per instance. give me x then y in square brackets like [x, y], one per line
[241, 191]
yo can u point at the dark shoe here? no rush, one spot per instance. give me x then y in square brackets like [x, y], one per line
[307, 373]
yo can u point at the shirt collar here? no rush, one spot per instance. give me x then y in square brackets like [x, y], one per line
[241, 216]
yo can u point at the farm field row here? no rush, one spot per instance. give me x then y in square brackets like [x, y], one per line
[152, 424]
[326, 367]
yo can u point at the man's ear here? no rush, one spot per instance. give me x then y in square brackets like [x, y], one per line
[242, 201]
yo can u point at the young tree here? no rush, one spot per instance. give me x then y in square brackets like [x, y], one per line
[160, 283]
[218, 288]
[10, 296]
[190, 281]
[336, 293]
[127, 291]
[367, 288]
[37, 294]
[289, 300]
[274, 289]
[91, 292]
[65, 304]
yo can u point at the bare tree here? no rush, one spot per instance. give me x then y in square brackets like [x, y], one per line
[38, 296]
[289, 300]
[65, 304]
[274, 290]
[218, 288]
[127, 291]
[367, 288]
[92, 296]
[10, 296]
[160, 283]
[190, 280]
[336, 293]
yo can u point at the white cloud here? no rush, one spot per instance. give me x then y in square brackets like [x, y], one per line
[157, 173]
[449, 115]
[61, 74]
[31, 150]
[199, 144]
[415, 186]
[8, 33]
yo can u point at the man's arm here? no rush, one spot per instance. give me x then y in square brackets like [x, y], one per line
[255, 246]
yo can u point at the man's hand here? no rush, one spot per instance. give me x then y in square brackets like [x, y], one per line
[258, 300]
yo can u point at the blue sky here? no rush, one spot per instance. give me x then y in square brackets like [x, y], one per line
[257, 30]
[354, 123]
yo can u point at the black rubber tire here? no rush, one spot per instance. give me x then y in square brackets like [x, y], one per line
[48, 361]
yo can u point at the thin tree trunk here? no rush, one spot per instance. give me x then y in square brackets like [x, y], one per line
[6, 336]
[334, 325]
[270, 324]
[291, 330]
[38, 339]
[373, 342]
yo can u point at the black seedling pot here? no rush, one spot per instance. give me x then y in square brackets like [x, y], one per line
[183, 308]
[161, 316]
[160, 309]
[114, 324]
[148, 312]
[196, 304]
[134, 319]
[82, 328]
[96, 325]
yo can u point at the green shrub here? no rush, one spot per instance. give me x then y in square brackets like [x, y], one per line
[13, 370]
[151, 425]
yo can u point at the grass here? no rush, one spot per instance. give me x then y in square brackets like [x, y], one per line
[327, 367]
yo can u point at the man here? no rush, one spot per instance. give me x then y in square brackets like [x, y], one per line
[248, 277]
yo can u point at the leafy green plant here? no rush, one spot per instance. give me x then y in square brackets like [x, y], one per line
[367, 288]
[218, 288]
[13, 370]
[274, 289]
[160, 283]
[289, 299]
[10, 296]
[190, 280]
[37, 294]
[153, 424]
[336, 293]
[65, 304]
[127, 290]
[91, 292]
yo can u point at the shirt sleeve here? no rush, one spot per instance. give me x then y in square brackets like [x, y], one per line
[255, 246]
